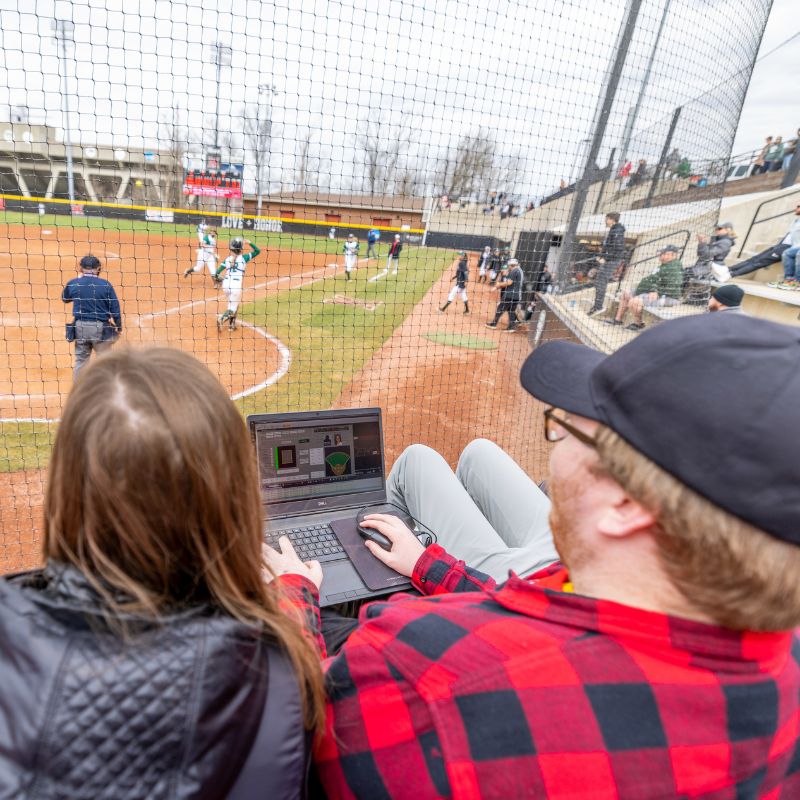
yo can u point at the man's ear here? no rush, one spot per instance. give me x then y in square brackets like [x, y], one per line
[625, 517]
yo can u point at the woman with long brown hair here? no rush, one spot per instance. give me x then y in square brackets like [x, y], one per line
[150, 657]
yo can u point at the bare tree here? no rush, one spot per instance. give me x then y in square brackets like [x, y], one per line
[257, 144]
[469, 168]
[385, 149]
[306, 171]
[173, 136]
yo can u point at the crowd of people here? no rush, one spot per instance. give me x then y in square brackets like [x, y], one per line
[775, 155]
[628, 633]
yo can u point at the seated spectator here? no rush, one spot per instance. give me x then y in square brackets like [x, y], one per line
[766, 257]
[791, 258]
[661, 289]
[774, 157]
[726, 298]
[640, 174]
[789, 150]
[659, 658]
[684, 168]
[710, 265]
[149, 658]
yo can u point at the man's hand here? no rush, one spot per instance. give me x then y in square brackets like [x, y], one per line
[702, 238]
[287, 562]
[406, 548]
[601, 261]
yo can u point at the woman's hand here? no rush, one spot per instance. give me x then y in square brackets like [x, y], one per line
[406, 548]
[287, 562]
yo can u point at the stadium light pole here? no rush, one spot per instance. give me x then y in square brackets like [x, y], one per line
[223, 54]
[634, 112]
[62, 33]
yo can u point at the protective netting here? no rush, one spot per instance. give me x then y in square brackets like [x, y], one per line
[133, 133]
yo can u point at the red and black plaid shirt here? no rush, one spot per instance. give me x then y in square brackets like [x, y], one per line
[529, 691]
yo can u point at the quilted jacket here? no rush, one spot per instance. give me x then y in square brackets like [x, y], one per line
[164, 710]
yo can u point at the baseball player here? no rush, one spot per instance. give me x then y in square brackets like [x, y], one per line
[350, 255]
[461, 277]
[394, 254]
[234, 266]
[206, 252]
[484, 260]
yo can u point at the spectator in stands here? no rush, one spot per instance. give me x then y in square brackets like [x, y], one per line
[774, 157]
[97, 316]
[149, 657]
[510, 288]
[790, 149]
[791, 258]
[659, 658]
[640, 174]
[726, 298]
[662, 289]
[769, 256]
[712, 252]
[611, 254]
[684, 168]
[760, 164]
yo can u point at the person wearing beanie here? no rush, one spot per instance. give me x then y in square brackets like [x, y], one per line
[726, 298]
[97, 321]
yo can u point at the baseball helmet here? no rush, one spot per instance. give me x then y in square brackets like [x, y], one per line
[351, 236]
[237, 244]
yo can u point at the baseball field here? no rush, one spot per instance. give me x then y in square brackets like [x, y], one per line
[308, 339]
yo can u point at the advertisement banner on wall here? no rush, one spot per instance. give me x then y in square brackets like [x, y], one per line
[157, 215]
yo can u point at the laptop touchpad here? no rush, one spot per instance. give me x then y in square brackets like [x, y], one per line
[375, 574]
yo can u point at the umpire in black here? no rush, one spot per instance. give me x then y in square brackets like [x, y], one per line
[98, 320]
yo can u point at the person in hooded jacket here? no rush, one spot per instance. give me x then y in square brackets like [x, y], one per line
[150, 656]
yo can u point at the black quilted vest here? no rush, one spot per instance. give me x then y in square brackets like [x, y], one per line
[194, 707]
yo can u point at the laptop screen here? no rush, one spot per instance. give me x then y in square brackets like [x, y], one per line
[303, 459]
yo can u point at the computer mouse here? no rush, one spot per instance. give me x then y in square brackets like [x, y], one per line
[370, 534]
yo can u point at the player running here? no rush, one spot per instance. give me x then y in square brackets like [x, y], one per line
[234, 266]
[206, 252]
[350, 255]
[461, 277]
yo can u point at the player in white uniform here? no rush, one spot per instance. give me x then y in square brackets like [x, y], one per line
[206, 252]
[234, 266]
[350, 255]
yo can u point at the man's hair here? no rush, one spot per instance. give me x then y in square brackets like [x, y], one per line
[738, 575]
[153, 495]
[613, 215]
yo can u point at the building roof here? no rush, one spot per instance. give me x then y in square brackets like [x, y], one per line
[312, 197]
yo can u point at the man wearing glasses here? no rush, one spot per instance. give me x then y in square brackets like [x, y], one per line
[658, 658]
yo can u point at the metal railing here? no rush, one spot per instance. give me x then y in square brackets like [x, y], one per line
[755, 221]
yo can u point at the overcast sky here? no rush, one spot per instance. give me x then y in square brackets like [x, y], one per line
[527, 73]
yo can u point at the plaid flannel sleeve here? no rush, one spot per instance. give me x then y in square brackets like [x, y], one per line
[437, 572]
[299, 598]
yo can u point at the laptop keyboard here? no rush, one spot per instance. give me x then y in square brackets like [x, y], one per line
[314, 543]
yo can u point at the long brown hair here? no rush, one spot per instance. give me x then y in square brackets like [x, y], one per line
[153, 494]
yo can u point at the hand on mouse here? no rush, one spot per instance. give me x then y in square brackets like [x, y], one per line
[287, 562]
[406, 548]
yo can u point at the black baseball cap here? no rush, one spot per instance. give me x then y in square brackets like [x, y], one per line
[729, 295]
[711, 399]
[90, 262]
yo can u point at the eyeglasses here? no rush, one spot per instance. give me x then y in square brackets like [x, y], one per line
[556, 429]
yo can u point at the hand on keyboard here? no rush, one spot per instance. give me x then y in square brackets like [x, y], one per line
[288, 562]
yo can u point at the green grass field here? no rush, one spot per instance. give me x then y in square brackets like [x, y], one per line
[286, 241]
[330, 342]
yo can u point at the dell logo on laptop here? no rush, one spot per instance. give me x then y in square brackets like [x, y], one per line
[321, 503]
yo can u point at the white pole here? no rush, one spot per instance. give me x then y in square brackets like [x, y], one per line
[63, 29]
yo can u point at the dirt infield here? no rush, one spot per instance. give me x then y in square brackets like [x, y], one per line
[444, 395]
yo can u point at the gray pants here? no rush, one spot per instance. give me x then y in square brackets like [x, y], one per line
[489, 513]
[88, 337]
[372, 250]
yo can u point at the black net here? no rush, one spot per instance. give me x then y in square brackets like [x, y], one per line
[357, 149]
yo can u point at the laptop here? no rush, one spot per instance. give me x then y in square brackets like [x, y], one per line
[316, 471]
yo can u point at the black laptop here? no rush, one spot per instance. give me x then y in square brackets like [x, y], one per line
[317, 470]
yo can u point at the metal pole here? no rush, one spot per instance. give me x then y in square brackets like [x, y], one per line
[218, 59]
[267, 133]
[664, 155]
[605, 104]
[634, 113]
[61, 30]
